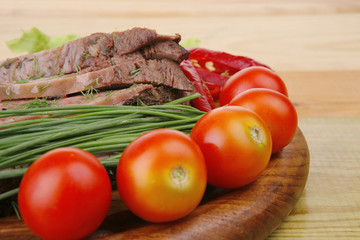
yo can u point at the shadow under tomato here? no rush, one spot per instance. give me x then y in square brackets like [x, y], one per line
[121, 219]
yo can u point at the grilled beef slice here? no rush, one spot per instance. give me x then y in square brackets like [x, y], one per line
[128, 70]
[165, 49]
[116, 97]
[137, 94]
[79, 54]
[159, 50]
[134, 95]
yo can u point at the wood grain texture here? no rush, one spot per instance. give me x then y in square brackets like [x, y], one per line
[324, 93]
[251, 212]
[329, 208]
[307, 35]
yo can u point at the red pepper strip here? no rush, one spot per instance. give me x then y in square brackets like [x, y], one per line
[205, 102]
[223, 61]
[218, 68]
[211, 77]
[214, 90]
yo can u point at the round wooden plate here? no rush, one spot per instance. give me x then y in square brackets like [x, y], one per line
[251, 212]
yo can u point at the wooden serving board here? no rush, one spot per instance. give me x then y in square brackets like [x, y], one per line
[251, 212]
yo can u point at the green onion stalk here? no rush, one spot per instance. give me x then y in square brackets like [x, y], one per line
[98, 129]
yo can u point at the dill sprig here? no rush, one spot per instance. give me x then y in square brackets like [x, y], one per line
[119, 73]
[77, 67]
[111, 62]
[85, 55]
[20, 81]
[135, 71]
[96, 81]
[36, 65]
[43, 87]
[89, 94]
[108, 95]
[30, 78]
[36, 103]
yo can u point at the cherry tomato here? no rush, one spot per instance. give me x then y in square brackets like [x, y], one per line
[251, 77]
[275, 109]
[236, 144]
[65, 194]
[161, 175]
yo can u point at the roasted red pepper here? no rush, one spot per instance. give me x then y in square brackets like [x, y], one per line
[209, 70]
[216, 67]
[211, 77]
[221, 62]
[205, 102]
[214, 90]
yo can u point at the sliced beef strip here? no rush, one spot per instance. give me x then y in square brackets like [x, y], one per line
[160, 50]
[128, 70]
[79, 54]
[158, 95]
[136, 95]
[165, 50]
[115, 97]
[157, 72]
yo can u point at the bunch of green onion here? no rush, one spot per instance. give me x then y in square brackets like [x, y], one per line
[99, 129]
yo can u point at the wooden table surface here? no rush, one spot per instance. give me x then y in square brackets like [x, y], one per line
[313, 44]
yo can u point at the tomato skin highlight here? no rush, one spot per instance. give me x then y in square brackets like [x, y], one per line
[161, 175]
[275, 109]
[65, 194]
[251, 77]
[236, 144]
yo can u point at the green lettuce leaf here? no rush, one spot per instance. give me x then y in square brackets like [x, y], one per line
[190, 43]
[34, 40]
[57, 41]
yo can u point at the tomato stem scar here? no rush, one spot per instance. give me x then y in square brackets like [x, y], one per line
[256, 134]
[179, 175]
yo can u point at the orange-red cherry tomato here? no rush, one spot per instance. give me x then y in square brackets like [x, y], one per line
[236, 144]
[161, 175]
[251, 77]
[275, 109]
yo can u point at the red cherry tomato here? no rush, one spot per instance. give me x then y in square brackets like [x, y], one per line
[275, 109]
[65, 194]
[251, 77]
[236, 144]
[161, 175]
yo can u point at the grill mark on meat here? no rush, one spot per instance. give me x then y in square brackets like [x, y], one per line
[128, 70]
[70, 56]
